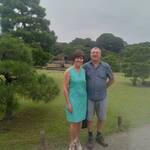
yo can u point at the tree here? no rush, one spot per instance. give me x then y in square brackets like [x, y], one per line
[136, 62]
[14, 49]
[58, 48]
[17, 76]
[114, 59]
[39, 57]
[70, 48]
[25, 19]
[84, 44]
[88, 43]
[110, 42]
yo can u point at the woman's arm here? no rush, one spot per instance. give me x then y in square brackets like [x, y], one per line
[66, 87]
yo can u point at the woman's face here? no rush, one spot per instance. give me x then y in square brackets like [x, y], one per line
[78, 61]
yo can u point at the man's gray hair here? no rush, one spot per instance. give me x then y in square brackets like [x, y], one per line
[96, 48]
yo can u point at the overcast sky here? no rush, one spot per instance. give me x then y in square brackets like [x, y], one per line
[129, 19]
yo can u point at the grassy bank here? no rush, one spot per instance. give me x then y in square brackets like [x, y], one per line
[22, 133]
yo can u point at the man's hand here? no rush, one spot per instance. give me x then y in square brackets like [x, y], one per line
[110, 82]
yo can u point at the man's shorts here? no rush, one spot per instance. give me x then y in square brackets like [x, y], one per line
[98, 107]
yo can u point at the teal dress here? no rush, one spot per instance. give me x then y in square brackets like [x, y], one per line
[77, 95]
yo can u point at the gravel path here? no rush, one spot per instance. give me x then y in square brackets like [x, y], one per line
[136, 139]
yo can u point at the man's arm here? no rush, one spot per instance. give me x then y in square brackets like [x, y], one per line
[110, 75]
[110, 81]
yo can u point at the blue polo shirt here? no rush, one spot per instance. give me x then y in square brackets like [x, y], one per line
[96, 79]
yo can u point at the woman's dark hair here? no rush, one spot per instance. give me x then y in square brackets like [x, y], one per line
[78, 54]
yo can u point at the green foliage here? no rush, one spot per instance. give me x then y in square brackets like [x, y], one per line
[69, 50]
[20, 71]
[137, 62]
[25, 19]
[8, 101]
[43, 39]
[84, 42]
[116, 45]
[17, 76]
[42, 88]
[113, 59]
[110, 42]
[85, 45]
[59, 48]
[40, 57]
[124, 100]
[14, 49]
[25, 82]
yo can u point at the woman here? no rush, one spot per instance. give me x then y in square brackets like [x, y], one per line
[76, 98]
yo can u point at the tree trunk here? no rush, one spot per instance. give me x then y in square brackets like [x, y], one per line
[143, 82]
[134, 81]
[8, 114]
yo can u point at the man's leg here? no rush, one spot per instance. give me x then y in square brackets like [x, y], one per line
[100, 124]
[101, 117]
[90, 126]
[90, 114]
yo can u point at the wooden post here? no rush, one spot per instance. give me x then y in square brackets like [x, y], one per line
[43, 144]
[119, 122]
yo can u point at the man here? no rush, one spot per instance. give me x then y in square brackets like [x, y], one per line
[99, 77]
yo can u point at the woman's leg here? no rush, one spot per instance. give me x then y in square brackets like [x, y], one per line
[78, 144]
[78, 130]
[72, 132]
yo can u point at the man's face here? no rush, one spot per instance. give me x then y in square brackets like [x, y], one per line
[95, 54]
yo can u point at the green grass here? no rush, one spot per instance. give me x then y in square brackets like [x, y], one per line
[23, 132]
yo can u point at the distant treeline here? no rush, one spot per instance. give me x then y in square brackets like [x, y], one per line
[25, 20]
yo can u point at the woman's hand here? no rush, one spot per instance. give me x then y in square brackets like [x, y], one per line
[70, 107]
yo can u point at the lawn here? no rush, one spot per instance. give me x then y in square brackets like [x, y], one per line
[23, 132]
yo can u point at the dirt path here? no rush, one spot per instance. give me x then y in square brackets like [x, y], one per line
[136, 139]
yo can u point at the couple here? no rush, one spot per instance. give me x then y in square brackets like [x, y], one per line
[85, 92]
